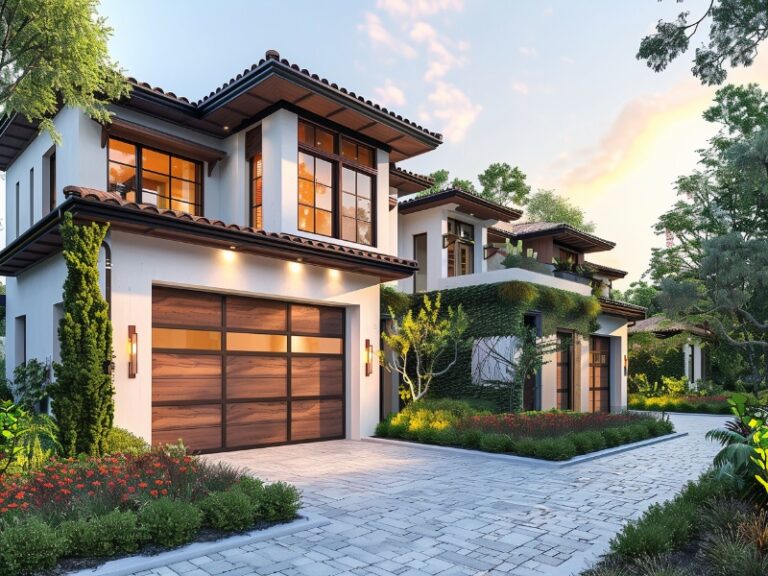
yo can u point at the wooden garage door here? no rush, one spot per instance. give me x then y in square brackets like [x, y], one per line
[230, 372]
[600, 374]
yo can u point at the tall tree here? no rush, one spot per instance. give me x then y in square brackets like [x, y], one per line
[737, 27]
[642, 294]
[83, 395]
[441, 181]
[548, 206]
[504, 184]
[52, 52]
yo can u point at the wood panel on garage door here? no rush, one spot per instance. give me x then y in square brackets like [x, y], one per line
[230, 372]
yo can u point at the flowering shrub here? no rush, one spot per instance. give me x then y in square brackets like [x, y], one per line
[546, 424]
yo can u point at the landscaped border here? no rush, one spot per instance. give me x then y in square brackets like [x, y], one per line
[512, 458]
[132, 564]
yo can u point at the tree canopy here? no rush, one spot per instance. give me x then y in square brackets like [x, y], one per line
[548, 206]
[55, 52]
[737, 27]
[500, 183]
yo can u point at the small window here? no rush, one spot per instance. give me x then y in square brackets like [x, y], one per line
[359, 153]
[31, 196]
[461, 248]
[254, 155]
[420, 255]
[52, 181]
[18, 211]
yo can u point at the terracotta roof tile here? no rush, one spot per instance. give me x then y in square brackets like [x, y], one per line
[111, 198]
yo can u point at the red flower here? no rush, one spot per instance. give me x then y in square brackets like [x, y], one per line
[19, 496]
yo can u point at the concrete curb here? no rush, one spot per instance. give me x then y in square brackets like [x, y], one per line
[531, 461]
[132, 564]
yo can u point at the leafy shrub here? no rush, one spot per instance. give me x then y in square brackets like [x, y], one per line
[120, 441]
[279, 501]
[169, 522]
[613, 437]
[382, 428]
[496, 443]
[230, 511]
[29, 546]
[661, 528]
[555, 448]
[589, 441]
[109, 535]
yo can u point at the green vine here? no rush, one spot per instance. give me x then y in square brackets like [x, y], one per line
[494, 310]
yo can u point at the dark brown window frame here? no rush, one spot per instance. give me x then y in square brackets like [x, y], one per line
[466, 243]
[199, 196]
[338, 163]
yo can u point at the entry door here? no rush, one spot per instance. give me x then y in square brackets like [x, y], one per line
[230, 372]
[600, 374]
[564, 371]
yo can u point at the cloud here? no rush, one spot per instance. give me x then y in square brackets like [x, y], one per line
[521, 88]
[389, 94]
[440, 59]
[418, 8]
[454, 109]
[527, 51]
[379, 35]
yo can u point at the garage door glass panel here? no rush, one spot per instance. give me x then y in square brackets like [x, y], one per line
[182, 339]
[253, 314]
[256, 377]
[317, 376]
[246, 342]
[317, 320]
[316, 345]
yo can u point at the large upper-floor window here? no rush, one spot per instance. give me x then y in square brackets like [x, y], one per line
[337, 180]
[148, 176]
[460, 243]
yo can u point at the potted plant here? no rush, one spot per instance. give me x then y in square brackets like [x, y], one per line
[567, 269]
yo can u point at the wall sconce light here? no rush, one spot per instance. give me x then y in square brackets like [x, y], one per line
[133, 351]
[368, 357]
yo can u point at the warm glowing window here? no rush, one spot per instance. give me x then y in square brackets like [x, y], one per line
[141, 174]
[336, 195]
[253, 153]
[461, 248]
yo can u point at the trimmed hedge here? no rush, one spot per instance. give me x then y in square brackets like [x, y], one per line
[454, 423]
[689, 404]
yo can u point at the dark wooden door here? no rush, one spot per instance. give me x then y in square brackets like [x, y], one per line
[600, 374]
[230, 372]
[564, 371]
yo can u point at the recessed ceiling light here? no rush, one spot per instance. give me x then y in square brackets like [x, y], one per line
[226, 128]
[233, 247]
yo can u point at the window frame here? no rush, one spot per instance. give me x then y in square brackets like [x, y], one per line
[459, 245]
[338, 163]
[139, 168]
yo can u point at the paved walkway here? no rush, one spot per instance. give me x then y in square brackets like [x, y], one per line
[408, 511]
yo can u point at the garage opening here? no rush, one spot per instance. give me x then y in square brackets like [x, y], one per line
[230, 372]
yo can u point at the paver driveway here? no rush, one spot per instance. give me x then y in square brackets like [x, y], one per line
[407, 511]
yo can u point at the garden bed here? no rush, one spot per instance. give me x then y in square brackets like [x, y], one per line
[691, 404]
[76, 513]
[555, 436]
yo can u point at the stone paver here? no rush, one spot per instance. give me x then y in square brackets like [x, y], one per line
[398, 510]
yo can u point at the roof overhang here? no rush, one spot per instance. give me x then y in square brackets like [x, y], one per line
[44, 239]
[465, 202]
[408, 182]
[622, 309]
[566, 236]
[607, 271]
[16, 132]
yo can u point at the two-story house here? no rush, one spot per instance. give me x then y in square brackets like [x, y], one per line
[248, 235]
[459, 240]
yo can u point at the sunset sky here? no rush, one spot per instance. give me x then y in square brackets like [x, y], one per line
[552, 87]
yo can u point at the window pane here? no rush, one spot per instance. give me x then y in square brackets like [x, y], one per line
[364, 209]
[323, 197]
[348, 149]
[306, 192]
[256, 192]
[155, 161]
[183, 169]
[121, 178]
[306, 166]
[363, 185]
[348, 178]
[183, 190]
[365, 156]
[324, 140]
[186, 339]
[155, 183]
[306, 134]
[122, 152]
[256, 218]
[348, 205]
[323, 223]
[188, 207]
[364, 232]
[323, 172]
[306, 218]
[243, 342]
[316, 345]
[257, 165]
[349, 229]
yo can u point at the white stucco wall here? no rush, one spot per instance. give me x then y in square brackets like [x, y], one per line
[140, 262]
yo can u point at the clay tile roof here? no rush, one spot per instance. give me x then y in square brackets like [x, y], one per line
[566, 232]
[111, 198]
[467, 202]
[607, 270]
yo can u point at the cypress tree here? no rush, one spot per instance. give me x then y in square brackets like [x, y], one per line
[83, 394]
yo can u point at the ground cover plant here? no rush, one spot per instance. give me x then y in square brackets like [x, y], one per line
[97, 507]
[545, 435]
